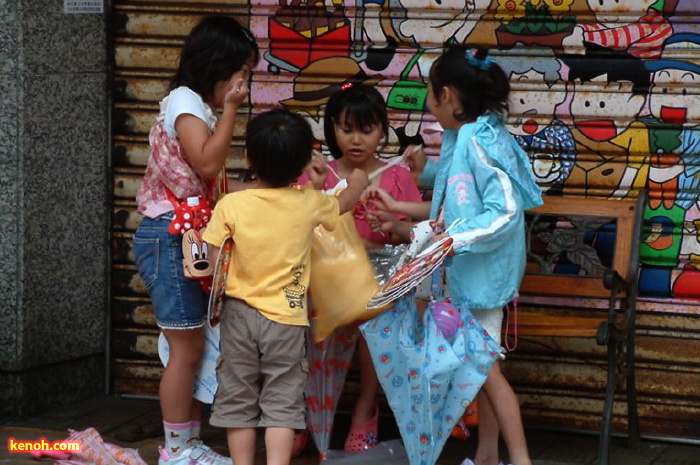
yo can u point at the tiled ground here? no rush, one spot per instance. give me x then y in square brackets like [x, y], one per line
[136, 424]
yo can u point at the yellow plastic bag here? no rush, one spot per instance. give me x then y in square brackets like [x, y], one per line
[342, 278]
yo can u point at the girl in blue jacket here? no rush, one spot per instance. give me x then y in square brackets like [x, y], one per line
[482, 177]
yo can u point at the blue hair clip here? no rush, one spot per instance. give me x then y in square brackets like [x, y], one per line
[248, 35]
[481, 63]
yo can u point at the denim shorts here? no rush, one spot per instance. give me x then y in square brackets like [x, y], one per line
[179, 302]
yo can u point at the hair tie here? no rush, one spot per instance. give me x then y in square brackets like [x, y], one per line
[481, 63]
[248, 35]
[346, 86]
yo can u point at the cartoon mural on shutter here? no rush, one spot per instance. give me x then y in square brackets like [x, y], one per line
[605, 96]
[617, 116]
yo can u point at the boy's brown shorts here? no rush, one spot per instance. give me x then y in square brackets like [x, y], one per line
[262, 371]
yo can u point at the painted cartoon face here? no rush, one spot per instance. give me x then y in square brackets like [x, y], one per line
[432, 30]
[670, 101]
[595, 112]
[534, 109]
[611, 13]
[196, 255]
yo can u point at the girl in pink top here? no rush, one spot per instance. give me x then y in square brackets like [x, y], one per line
[395, 179]
[355, 124]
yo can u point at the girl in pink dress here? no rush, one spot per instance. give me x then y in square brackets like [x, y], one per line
[356, 125]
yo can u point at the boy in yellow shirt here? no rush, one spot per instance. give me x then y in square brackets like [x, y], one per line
[262, 371]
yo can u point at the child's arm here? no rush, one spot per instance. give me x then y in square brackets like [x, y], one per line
[208, 152]
[384, 221]
[357, 183]
[490, 228]
[416, 160]
[384, 201]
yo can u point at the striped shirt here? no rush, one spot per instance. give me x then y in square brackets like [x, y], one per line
[643, 40]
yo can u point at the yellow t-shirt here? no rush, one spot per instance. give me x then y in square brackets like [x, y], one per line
[271, 231]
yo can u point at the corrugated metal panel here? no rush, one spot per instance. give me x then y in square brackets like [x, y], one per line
[600, 114]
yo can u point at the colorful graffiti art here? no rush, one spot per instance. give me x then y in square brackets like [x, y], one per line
[604, 97]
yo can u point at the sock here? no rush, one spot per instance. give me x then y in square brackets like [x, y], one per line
[176, 436]
[195, 429]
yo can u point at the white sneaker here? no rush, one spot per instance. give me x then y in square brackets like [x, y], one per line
[205, 455]
[164, 458]
[196, 454]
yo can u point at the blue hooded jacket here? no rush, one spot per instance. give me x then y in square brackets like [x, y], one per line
[483, 177]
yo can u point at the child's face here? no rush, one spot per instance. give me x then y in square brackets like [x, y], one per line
[440, 106]
[592, 111]
[357, 144]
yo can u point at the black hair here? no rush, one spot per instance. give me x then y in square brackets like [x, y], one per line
[215, 49]
[360, 106]
[278, 145]
[617, 65]
[480, 84]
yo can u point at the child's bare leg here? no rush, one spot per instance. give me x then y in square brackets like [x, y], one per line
[487, 448]
[278, 442]
[507, 411]
[366, 405]
[241, 444]
[422, 305]
[186, 347]
[196, 414]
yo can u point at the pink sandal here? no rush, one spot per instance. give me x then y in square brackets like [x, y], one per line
[363, 436]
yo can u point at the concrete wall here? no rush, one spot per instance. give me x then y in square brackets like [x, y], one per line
[53, 205]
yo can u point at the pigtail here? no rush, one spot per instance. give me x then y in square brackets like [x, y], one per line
[476, 77]
[494, 83]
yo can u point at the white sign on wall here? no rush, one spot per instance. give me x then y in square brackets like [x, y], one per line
[83, 6]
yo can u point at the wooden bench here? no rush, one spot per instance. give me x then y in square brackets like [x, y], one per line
[559, 234]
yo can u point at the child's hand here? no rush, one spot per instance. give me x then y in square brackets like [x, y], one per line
[415, 159]
[317, 170]
[358, 178]
[382, 199]
[440, 237]
[238, 90]
[381, 221]
[357, 183]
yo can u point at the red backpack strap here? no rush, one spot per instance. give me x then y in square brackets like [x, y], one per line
[171, 197]
[217, 185]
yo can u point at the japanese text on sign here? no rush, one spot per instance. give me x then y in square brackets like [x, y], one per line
[83, 6]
